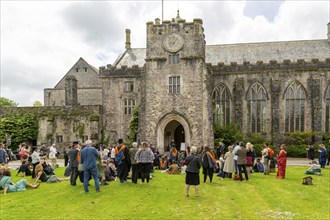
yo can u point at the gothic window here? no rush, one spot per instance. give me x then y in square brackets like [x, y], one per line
[221, 105]
[256, 108]
[129, 86]
[327, 110]
[295, 98]
[173, 59]
[174, 84]
[128, 106]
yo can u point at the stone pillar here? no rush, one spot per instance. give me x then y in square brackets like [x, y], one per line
[275, 87]
[314, 86]
[71, 91]
[329, 31]
[239, 95]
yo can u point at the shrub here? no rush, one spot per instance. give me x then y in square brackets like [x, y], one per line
[227, 134]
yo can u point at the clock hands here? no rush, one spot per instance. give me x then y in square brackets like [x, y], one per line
[173, 41]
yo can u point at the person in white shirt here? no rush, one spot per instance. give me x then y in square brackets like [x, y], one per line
[235, 156]
[53, 155]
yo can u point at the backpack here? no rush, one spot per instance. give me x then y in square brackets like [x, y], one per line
[52, 179]
[270, 153]
[120, 155]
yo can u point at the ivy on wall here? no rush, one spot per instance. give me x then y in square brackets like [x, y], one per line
[133, 125]
[20, 128]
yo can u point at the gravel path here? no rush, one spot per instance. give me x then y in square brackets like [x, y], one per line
[290, 162]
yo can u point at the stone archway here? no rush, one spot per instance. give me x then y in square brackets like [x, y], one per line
[161, 135]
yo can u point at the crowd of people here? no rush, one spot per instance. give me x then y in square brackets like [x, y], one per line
[108, 163]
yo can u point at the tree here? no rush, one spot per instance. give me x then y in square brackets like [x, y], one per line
[37, 103]
[20, 128]
[4, 102]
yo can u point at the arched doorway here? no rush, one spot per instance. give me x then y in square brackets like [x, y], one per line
[172, 128]
[174, 132]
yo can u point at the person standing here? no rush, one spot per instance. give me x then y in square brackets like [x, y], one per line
[53, 155]
[134, 163]
[250, 155]
[88, 159]
[35, 156]
[281, 162]
[192, 171]
[229, 166]
[3, 159]
[145, 158]
[173, 154]
[73, 158]
[235, 156]
[209, 163]
[65, 155]
[328, 154]
[322, 156]
[241, 162]
[310, 152]
[123, 161]
[265, 159]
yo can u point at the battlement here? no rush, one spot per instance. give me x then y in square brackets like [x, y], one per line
[176, 24]
[124, 71]
[300, 64]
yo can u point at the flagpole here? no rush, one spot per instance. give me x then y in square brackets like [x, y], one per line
[162, 10]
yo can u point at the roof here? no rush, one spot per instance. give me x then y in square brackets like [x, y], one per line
[88, 79]
[279, 51]
[131, 57]
[239, 53]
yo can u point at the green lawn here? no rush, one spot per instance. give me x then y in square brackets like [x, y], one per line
[263, 197]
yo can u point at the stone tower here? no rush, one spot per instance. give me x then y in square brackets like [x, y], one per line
[71, 97]
[176, 104]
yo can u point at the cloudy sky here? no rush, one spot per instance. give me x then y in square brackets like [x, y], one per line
[42, 40]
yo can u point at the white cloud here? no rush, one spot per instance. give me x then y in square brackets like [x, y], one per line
[41, 40]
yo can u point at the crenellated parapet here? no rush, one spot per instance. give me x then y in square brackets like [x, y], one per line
[110, 70]
[272, 65]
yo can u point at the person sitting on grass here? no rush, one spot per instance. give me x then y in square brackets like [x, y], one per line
[41, 175]
[163, 164]
[174, 168]
[5, 183]
[314, 169]
[24, 168]
[258, 166]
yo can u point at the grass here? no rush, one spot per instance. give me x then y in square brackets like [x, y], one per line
[263, 197]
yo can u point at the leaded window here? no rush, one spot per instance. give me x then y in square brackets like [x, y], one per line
[256, 108]
[128, 106]
[327, 110]
[295, 98]
[221, 105]
[174, 84]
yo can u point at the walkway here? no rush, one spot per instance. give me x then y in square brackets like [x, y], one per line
[290, 162]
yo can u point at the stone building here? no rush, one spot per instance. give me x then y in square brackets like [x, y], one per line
[184, 87]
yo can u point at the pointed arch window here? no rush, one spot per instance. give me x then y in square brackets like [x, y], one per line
[295, 98]
[327, 110]
[256, 108]
[221, 105]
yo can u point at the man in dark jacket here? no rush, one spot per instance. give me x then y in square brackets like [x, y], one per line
[73, 158]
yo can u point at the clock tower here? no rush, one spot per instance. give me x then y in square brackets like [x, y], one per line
[176, 106]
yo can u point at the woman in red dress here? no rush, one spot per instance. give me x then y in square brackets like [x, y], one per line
[281, 161]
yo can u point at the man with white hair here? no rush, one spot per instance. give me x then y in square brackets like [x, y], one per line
[88, 159]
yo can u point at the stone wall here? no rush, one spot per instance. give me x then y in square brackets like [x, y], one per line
[72, 123]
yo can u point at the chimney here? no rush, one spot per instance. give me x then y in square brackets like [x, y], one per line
[128, 39]
[329, 31]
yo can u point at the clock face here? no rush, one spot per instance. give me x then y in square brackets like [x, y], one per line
[173, 42]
